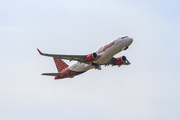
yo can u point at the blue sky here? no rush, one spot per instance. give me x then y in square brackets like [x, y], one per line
[148, 89]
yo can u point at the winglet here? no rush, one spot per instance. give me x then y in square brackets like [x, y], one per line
[39, 51]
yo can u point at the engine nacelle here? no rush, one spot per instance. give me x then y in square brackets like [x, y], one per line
[91, 57]
[119, 61]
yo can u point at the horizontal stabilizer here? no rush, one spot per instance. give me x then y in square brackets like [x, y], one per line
[53, 74]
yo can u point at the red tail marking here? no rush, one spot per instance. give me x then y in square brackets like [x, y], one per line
[60, 64]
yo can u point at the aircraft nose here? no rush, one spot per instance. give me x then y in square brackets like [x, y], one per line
[130, 40]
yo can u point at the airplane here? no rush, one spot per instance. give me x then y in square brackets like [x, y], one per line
[102, 56]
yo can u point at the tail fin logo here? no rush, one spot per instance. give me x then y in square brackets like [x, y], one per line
[60, 64]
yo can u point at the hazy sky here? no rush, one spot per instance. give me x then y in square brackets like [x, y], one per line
[148, 89]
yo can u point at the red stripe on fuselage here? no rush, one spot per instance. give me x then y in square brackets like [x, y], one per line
[108, 45]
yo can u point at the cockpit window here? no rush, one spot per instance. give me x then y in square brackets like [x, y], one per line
[124, 37]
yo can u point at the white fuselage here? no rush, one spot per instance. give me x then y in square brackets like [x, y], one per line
[105, 53]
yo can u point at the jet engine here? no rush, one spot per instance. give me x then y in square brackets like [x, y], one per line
[121, 60]
[91, 57]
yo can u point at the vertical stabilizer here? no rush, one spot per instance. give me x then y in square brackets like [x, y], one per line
[60, 64]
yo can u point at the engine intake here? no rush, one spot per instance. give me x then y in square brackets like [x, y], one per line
[91, 57]
[119, 61]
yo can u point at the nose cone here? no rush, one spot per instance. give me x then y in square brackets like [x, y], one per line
[129, 41]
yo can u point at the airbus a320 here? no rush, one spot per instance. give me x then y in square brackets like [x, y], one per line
[94, 60]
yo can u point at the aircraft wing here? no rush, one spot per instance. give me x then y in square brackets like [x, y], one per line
[79, 58]
[110, 62]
